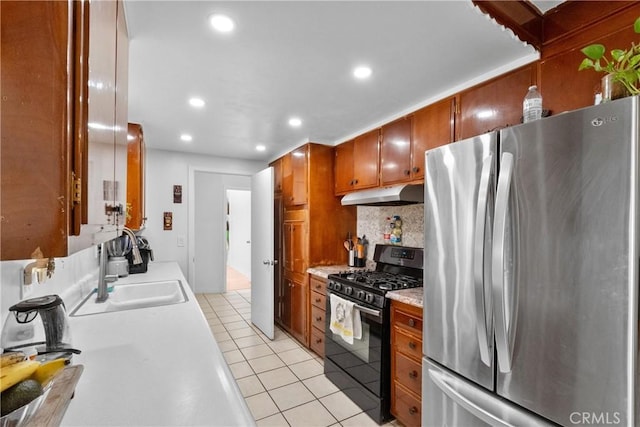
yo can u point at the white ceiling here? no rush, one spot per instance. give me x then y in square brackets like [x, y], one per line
[295, 58]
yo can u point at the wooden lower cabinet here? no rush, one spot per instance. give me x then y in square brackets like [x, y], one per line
[317, 307]
[406, 363]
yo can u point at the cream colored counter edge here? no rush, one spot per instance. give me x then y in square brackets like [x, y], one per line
[153, 366]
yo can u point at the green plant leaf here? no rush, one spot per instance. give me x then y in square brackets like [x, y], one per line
[586, 63]
[593, 51]
[618, 54]
[636, 25]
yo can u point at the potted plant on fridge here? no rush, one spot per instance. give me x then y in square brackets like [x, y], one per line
[622, 67]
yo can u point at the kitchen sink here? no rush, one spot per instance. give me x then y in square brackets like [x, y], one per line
[134, 296]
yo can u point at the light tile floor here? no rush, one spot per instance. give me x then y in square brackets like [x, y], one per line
[282, 382]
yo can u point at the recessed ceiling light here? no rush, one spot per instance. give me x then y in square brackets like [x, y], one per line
[221, 23]
[362, 72]
[260, 148]
[186, 137]
[295, 122]
[196, 102]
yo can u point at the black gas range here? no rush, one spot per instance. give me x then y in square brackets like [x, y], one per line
[362, 369]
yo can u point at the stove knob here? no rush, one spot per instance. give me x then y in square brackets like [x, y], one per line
[369, 298]
[348, 290]
[337, 286]
[360, 295]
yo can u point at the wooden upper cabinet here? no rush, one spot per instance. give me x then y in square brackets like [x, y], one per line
[64, 97]
[343, 167]
[395, 152]
[135, 177]
[287, 179]
[35, 129]
[494, 104]
[357, 163]
[299, 168]
[366, 154]
[431, 127]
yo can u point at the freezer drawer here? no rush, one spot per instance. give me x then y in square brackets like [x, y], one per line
[449, 400]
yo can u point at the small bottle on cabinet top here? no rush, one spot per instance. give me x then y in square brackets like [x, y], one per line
[532, 105]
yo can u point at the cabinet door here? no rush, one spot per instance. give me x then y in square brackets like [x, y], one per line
[366, 150]
[495, 104]
[432, 126]
[343, 169]
[135, 177]
[299, 170]
[395, 152]
[278, 277]
[299, 319]
[103, 190]
[294, 246]
[36, 128]
[287, 179]
[121, 114]
[285, 303]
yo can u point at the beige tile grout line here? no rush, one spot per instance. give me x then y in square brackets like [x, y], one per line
[265, 340]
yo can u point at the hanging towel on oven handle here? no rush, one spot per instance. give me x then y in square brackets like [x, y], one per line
[345, 319]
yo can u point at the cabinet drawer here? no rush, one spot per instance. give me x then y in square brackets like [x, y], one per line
[407, 343]
[318, 300]
[409, 321]
[317, 341]
[318, 285]
[408, 408]
[408, 373]
[317, 318]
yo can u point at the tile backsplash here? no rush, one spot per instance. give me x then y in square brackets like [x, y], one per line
[373, 222]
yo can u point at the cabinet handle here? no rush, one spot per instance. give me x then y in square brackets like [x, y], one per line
[412, 322]
[412, 345]
[413, 410]
[318, 340]
[416, 169]
[407, 172]
[413, 374]
[318, 318]
[317, 299]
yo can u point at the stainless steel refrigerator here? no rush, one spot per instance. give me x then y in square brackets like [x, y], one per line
[531, 274]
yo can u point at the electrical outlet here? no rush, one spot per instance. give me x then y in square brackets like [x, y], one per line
[180, 241]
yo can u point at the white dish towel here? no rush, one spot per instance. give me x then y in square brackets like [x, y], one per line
[345, 319]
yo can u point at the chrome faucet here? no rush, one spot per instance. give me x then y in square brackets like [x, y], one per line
[103, 277]
[135, 251]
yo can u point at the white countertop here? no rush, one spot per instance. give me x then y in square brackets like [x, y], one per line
[158, 366]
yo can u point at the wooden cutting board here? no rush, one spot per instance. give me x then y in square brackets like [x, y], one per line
[55, 404]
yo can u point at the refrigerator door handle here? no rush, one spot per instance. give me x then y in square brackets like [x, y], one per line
[482, 404]
[501, 267]
[481, 268]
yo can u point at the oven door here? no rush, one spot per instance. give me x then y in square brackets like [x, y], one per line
[365, 358]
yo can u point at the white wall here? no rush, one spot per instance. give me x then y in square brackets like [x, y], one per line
[81, 266]
[166, 169]
[239, 254]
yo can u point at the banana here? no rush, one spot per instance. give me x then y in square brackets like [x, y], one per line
[17, 372]
[10, 358]
[47, 370]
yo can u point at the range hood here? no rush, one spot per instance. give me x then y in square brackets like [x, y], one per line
[403, 194]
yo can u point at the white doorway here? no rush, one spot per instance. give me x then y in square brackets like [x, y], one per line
[208, 228]
[238, 239]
